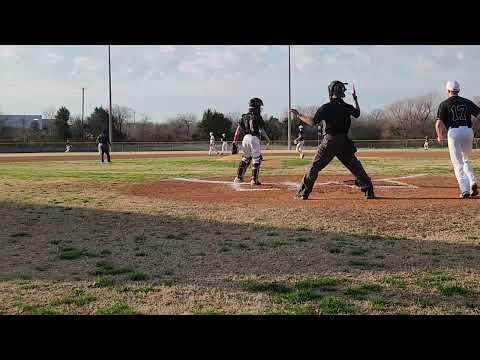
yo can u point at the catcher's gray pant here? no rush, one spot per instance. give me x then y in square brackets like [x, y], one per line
[251, 148]
[344, 149]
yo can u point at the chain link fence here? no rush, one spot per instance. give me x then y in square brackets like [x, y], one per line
[39, 147]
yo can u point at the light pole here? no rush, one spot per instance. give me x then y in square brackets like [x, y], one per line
[83, 109]
[110, 129]
[289, 99]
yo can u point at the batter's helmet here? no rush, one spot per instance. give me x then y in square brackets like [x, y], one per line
[337, 88]
[255, 103]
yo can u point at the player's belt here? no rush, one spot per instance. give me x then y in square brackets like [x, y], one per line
[458, 126]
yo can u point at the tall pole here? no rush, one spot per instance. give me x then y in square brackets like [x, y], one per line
[110, 129]
[289, 99]
[83, 109]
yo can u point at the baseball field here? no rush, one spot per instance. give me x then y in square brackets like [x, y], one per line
[169, 233]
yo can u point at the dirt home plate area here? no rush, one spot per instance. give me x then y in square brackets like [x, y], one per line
[170, 233]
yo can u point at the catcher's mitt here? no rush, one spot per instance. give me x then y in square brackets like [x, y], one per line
[234, 149]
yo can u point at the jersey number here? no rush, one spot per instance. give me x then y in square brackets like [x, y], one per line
[459, 112]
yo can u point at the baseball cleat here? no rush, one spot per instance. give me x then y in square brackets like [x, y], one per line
[465, 195]
[253, 182]
[238, 180]
[474, 191]
[302, 156]
[300, 197]
[369, 194]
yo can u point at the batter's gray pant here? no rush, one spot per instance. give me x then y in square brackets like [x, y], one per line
[344, 149]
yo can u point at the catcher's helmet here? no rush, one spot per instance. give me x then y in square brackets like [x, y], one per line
[337, 88]
[255, 103]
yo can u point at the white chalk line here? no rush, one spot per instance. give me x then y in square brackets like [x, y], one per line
[237, 186]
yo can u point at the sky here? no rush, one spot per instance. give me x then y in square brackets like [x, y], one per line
[163, 81]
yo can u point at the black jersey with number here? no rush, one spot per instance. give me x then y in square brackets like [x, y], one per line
[336, 115]
[251, 123]
[457, 111]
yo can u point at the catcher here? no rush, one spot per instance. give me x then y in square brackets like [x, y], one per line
[336, 115]
[251, 125]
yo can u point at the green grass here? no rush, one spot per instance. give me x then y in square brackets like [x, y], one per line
[107, 268]
[453, 290]
[40, 310]
[77, 297]
[332, 305]
[103, 281]
[433, 280]
[71, 253]
[118, 308]
[209, 312]
[360, 292]
[395, 281]
[137, 276]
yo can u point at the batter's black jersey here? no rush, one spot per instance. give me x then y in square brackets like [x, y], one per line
[224, 138]
[336, 115]
[300, 136]
[457, 111]
[251, 123]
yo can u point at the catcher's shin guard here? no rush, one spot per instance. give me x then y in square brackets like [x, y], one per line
[242, 167]
[255, 174]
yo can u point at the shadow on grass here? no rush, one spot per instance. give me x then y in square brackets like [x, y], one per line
[187, 251]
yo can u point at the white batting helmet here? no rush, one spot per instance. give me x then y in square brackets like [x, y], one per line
[300, 127]
[452, 86]
[211, 134]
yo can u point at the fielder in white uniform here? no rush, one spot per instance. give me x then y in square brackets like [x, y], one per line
[68, 146]
[425, 145]
[454, 118]
[212, 147]
[300, 142]
[224, 144]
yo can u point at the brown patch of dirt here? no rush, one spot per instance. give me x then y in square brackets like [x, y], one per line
[330, 191]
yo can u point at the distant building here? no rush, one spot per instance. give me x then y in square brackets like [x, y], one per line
[21, 121]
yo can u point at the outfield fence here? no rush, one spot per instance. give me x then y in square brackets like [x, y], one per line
[38, 147]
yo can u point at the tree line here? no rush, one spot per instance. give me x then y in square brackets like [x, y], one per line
[405, 119]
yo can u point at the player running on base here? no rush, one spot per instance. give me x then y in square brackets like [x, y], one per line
[454, 118]
[212, 147]
[252, 126]
[224, 144]
[336, 115]
[299, 141]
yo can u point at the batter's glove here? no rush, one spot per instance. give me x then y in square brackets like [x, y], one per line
[234, 149]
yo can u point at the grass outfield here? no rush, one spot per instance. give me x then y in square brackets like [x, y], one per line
[72, 243]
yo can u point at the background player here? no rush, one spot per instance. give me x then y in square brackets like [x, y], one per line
[224, 144]
[251, 125]
[454, 118]
[299, 141]
[336, 115]
[212, 147]
[104, 144]
[425, 145]
[68, 146]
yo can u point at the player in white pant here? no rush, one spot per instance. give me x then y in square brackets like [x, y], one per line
[68, 147]
[425, 145]
[212, 147]
[300, 142]
[224, 144]
[455, 119]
